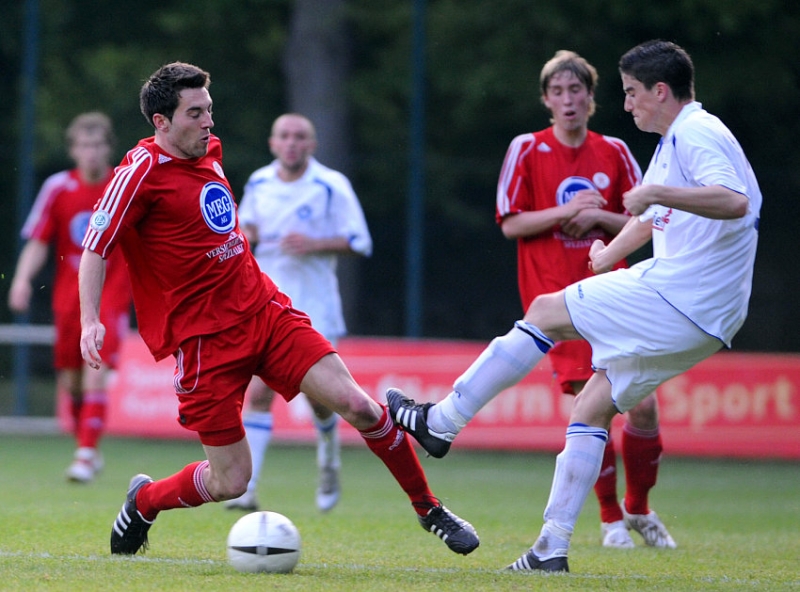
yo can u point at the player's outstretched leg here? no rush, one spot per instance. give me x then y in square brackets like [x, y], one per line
[412, 418]
[129, 533]
[390, 444]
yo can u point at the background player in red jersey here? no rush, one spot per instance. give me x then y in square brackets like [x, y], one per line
[560, 189]
[59, 218]
[201, 297]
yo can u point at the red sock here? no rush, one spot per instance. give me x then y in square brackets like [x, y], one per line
[184, 489]
[641, 454]
[392, 446]
[75, 405]
[92, 419]
[606, 486]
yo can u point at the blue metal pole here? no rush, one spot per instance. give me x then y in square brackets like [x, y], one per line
[25, 184]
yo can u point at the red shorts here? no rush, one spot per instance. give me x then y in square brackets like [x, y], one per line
[67, 346]
[212, 372]
[571, 362]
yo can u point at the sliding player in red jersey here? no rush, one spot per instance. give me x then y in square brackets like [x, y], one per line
[201, 297]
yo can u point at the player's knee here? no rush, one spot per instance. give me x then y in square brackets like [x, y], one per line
[644, 416]
[361, 412]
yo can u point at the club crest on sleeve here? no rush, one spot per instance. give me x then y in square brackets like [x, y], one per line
[217, 207]
[100, 220]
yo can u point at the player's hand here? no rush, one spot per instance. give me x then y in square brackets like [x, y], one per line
[19, 296]
[597, 262]
[582, 222]
[92, 337]
[638, 199]
[583, 199]
[297, 244]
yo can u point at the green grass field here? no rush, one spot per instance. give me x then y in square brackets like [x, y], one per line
[737, 525]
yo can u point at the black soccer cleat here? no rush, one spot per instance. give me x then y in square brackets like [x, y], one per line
[457, 534]
[530, 562]
[129, 533]
[411, 417]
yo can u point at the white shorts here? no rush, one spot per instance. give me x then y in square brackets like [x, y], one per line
[637, 337]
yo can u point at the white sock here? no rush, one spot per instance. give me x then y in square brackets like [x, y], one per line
[506, 361]
[577, 468]
[328, 442]
[258, 427]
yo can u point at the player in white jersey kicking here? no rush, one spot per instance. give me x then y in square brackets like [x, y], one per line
[299, 216]
[699, 203]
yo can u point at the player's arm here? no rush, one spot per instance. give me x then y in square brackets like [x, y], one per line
[531, 223]
[91, 277]
[635, 234]
[588, 218]
[713, 201]
[31, 260]
[301, 244]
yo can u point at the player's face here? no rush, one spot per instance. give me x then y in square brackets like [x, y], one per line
[568, 100]
[189, 132]
[92, 154]
[292, 142]
[641, 103]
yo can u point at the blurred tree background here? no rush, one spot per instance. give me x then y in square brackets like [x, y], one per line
[348, 65]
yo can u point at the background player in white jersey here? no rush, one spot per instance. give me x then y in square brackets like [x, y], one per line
[560, 189]
[299, 216]
[699, 203]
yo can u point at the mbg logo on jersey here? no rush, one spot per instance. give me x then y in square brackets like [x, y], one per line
[78, 225]
[569, 187]
[304, 212]
[216, 204]
[99, 221]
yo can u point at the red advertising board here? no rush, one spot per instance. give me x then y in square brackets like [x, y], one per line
[733, 404]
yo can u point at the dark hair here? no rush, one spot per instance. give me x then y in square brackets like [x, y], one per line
[161, 92]
[660, 61]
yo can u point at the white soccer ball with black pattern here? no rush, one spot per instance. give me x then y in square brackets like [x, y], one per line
[264, 542]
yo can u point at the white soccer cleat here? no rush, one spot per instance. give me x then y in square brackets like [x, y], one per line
[86, 464]
[616, 535]
[653, 531]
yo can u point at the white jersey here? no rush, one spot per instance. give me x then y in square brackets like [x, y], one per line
[321, 204]
[702, 267]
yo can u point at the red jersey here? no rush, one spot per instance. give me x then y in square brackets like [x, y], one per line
[60, 217]
[540, 172]
[175, 220]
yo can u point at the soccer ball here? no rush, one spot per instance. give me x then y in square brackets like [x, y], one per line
[264, 542]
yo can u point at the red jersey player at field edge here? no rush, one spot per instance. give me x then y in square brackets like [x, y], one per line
[201, 297]
[559, 190]
[59, 218]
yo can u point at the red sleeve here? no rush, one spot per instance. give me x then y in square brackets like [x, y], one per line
[115, 211]
[514, 187]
